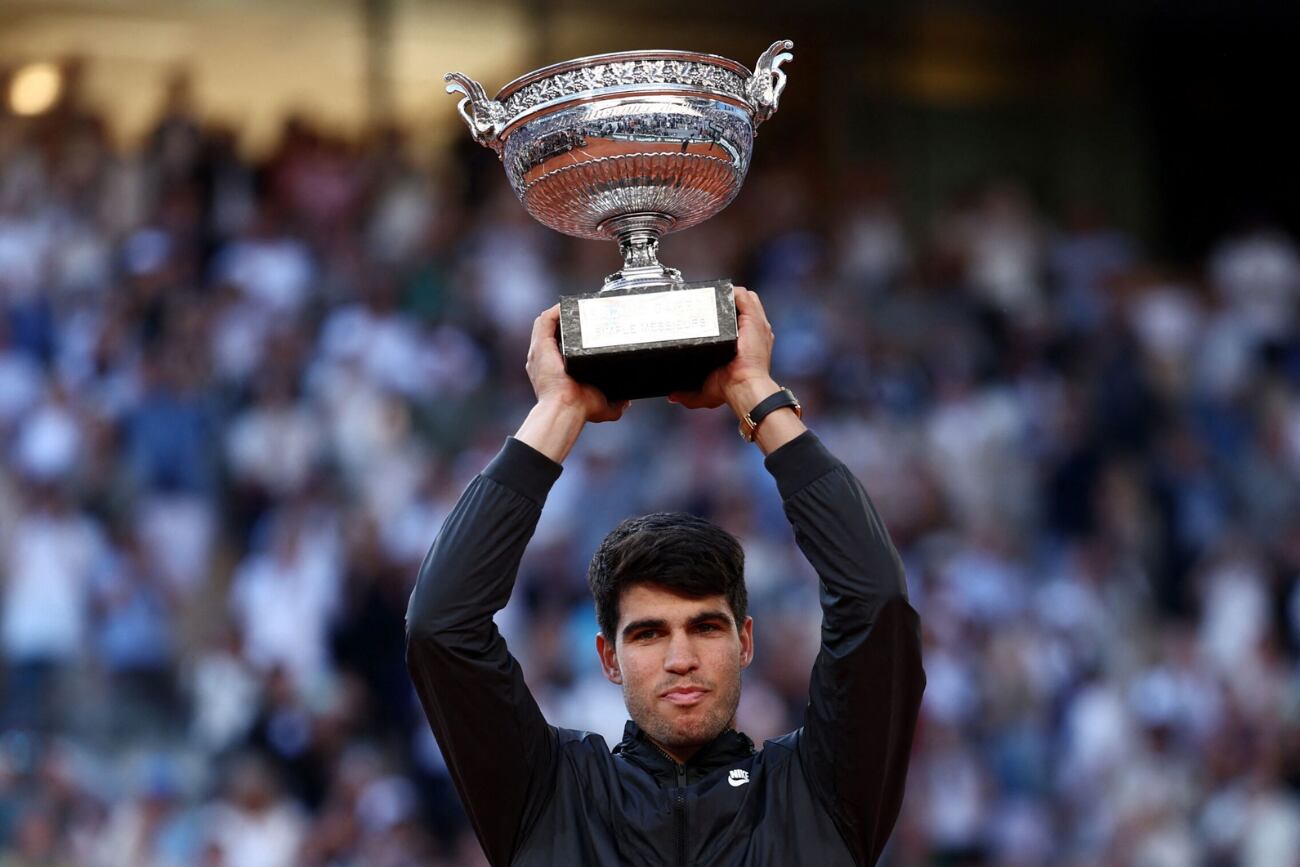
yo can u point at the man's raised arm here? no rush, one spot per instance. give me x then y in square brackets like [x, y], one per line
[498, 747]
[866, 685]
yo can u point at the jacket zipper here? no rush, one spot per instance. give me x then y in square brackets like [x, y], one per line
[679, 806]
[680, 810]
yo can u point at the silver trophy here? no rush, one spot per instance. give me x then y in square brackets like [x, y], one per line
[628, 147]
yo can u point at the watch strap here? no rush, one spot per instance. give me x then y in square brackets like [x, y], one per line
[780, 400]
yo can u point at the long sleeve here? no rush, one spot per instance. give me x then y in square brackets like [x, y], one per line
[867, 681]
[498, 747]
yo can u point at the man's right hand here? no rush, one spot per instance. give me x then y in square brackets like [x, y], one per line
[564, 405]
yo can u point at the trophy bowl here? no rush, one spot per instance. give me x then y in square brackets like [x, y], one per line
[629, 147]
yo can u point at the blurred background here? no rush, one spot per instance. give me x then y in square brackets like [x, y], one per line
[263, 314]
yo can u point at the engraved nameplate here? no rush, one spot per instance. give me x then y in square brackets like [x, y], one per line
[623, 320]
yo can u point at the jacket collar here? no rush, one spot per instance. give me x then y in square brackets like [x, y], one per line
[728, 748]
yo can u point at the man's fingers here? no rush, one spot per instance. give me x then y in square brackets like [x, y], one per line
[613, 411]
[544, 325]
[741, 294]
[542, 345]
[744, 300]
[692, 400]
[747, 303]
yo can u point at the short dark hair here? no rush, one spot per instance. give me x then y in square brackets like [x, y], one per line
[678, 551]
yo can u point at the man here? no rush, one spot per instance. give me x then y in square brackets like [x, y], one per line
[683, 787]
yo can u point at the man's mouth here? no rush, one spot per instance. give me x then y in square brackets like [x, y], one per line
[685, 696]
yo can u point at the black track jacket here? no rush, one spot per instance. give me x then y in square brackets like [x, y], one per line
[826, 794]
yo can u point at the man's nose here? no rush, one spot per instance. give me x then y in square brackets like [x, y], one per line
[681, 657]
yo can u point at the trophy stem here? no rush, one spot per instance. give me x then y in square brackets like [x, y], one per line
[638, 240]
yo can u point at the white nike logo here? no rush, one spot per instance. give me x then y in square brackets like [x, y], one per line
[738, 777]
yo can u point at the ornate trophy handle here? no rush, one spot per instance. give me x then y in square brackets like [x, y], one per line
[764, 88]
[484, 117]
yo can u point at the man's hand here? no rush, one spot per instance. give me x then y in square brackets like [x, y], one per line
[747, 378]
[564, 405]
[752, 364]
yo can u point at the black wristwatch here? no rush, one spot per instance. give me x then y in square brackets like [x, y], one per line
[751, 420]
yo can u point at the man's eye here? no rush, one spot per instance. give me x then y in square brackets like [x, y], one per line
[708, 627]
[646, 634]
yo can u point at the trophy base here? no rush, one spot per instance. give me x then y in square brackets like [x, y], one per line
[648, 341]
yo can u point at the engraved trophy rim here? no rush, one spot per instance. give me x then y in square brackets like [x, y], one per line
[618, 57]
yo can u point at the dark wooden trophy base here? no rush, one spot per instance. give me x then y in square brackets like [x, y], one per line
[648, 341]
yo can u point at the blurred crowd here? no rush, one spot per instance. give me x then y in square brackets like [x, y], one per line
[237, 396]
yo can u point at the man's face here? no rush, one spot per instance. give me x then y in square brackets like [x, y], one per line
[678, 660]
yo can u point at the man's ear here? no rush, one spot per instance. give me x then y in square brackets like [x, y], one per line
[608, 659]
[747, 643]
